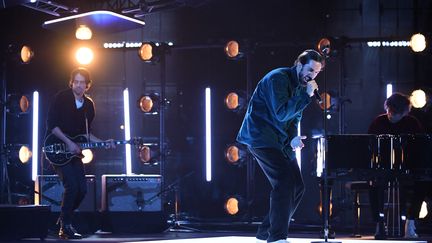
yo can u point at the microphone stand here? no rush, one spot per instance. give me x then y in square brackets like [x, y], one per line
[176, 226]
[325, 196]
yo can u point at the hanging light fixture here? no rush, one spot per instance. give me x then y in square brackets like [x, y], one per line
[418, 42]
[83, 32]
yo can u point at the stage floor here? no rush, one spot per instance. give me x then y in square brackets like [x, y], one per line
[220, 237]
[251, 239]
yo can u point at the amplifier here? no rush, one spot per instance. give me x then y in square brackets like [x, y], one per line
[129, 193]
[49, 191]
[23, 221]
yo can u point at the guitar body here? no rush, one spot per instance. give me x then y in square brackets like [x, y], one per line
[56, 150]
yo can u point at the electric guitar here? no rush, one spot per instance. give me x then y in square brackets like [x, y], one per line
[56, 151]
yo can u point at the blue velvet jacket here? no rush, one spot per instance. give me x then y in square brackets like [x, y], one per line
[274, 111]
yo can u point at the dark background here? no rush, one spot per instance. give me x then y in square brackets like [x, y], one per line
[273, 31]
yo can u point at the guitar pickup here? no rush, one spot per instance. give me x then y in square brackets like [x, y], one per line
[54, 148]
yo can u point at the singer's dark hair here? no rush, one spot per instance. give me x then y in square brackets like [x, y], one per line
[308, 55]
[397, 103]
[84, 72]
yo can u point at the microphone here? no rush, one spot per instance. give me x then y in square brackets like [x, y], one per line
[317, 96]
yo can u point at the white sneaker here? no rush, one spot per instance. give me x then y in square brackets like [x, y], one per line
[410, 229]
[279, 241]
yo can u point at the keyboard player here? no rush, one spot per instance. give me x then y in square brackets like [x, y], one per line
[395, 121]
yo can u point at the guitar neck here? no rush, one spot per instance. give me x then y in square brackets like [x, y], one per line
[99, 144]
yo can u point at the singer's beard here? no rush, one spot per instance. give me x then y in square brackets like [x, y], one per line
[304, 80]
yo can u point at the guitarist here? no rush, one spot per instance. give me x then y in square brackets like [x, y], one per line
[70, 115]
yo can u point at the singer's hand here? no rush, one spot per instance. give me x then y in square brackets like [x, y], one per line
[310, 87]
[296, 142]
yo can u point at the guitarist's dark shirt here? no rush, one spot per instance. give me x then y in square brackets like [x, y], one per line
[64, 114]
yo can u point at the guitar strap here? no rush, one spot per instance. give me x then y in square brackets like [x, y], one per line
[87, 128]
[86, 121]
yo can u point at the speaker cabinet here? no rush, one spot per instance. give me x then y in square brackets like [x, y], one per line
[23, 221]
[131, 193]
[49, 191]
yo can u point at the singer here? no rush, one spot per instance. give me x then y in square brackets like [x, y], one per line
[269, 130]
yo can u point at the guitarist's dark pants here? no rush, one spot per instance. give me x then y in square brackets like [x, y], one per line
[287, 190]
[75, 187]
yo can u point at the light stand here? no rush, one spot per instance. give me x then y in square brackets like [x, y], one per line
[325, 50]
[4, 176]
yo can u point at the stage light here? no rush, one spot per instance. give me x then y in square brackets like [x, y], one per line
[389, 90]
[84, 55]
[127, 131]
[18, 152]
[423, 211]
[234, 205]
[20, 53]
[146, 52]
[330, 101]
[418, 98]
[235, 101]
[298, 151]
[35, 135]
[418, 42]
[232, 50]
[324, 47]
[395, 43]
[83, 33]
[235, 154]
[149, 155]
[149, 103]
[326, 104]
[208, 133]
[24, 154]
[26, 54]
[17, 104]
[330, 46]
[144, 154]
[88, 156]
[150, 52]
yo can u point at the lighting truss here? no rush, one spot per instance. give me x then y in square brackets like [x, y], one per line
[50, 7]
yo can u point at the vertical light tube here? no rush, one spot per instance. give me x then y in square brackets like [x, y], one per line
[298, 151]
[35, 135]
[208, 134]
[389, 90]
[127, 131]
[320, 156]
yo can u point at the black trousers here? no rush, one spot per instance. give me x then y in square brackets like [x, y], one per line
[287, 190]
[378, 197]
[73, 178]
